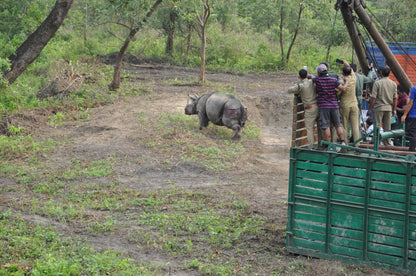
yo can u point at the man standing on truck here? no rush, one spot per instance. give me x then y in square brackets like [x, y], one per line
[328, 102]
[348, 103]
[409, 116]
[384, 100]
[306, 90]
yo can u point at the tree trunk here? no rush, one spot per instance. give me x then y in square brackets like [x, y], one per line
[203, 46]
[295, 34]
[115, 83]
[85, 23]
[34, 44]
[188, 40]
[171, 31]
[206, 12]
[282, 50]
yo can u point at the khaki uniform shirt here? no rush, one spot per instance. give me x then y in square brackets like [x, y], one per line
[348, 97]
[306, 90]
[384, 92]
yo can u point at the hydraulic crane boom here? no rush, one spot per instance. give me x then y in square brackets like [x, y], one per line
[347, 7]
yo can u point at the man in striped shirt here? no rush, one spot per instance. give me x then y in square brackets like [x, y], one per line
[328, 102]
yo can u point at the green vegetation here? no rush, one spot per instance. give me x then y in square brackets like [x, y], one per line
[33, 249]
[83, 194]
[173, 221]
[244, 36]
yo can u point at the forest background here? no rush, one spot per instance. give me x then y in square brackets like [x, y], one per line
[242, 36]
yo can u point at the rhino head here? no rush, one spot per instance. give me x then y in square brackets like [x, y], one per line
[190, 108]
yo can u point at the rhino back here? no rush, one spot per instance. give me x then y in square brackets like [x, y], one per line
[217, 104]
[215, 108]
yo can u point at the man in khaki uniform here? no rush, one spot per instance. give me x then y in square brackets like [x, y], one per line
[348, 103]
[384, 100]
[306, 89]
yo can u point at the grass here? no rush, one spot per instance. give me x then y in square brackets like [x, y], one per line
[175, 135]
[19, 145]
[211, 232]
[36, 249]
[175, 221]
[83, 194]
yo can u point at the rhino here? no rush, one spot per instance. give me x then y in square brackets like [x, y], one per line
[220, 109]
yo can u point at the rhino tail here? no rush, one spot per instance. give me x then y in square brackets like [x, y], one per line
[243, 115]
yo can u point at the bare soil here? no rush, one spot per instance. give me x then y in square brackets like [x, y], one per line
[261, 180]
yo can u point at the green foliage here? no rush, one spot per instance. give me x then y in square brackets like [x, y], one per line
[22, 17]
[176, 216]
[243, 36]
[19, 145]
[42, 251]
[57, 119]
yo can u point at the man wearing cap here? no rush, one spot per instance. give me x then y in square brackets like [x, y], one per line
[328, 102]
[306, 90]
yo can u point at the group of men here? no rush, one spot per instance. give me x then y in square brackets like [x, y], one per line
[335, 103]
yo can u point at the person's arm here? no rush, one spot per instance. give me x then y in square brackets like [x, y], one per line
[368, 78]
[295, 89]
[372, 101]
[347, 64]
[407, 110]
[402, 109]
[343, 87]
[394, 105]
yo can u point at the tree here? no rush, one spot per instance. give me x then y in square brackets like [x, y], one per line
[115, 83]
[295, 32]
[202, 24]
[171, 26]
[34, 44]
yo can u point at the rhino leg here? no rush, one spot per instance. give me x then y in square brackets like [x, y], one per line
[237, 129]
[203, 120]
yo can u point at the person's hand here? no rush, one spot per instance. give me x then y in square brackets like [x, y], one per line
[368, 112]
[403, 118]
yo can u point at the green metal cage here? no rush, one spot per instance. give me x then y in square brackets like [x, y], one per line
[355, 208]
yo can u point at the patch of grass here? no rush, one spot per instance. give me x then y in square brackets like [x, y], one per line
[20, 145]
[183, 82]
[98, 168]
[176, 135]
[251, 131]
[180, 220]
[30, 249]
[56, 119]
[135, 91]
[174, 221]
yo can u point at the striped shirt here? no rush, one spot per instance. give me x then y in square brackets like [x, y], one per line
[325, 89]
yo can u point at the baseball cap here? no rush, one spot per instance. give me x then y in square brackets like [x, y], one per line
[321, 68]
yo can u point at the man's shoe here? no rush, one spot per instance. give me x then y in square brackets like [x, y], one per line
[343, 150]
